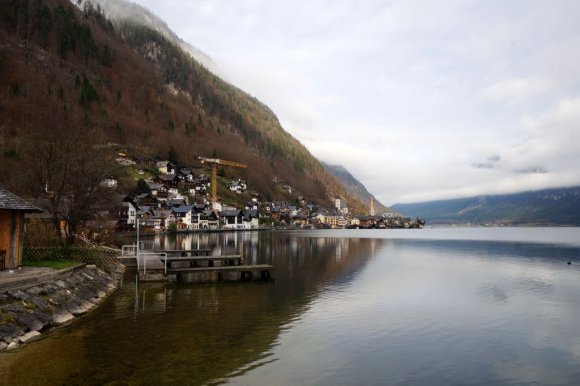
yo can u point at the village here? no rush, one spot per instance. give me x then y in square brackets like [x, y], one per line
[179, 200]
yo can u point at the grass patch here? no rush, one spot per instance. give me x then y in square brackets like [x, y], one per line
[56, 264]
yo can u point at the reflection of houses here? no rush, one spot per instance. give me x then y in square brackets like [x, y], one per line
[12, 210]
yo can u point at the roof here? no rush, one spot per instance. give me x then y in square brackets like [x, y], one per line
[166, 177]
[182, 209]
[232, 213]
[11, 201]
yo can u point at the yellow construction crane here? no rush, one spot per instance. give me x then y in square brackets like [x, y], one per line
[214, 163]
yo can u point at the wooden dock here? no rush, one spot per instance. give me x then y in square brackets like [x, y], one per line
[193, 267]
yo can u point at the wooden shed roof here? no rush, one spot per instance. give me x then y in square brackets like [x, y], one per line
[11, 201]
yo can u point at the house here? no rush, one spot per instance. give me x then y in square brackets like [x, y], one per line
[125, 213]
[186, 175]
[299, 220]
[367, 222]
[232, 218]
[160, 219]
[318, 218]
[166, 167]
[182, 216]
[12, 210]
[238, 186]
[209, 220]
[176, 202]
[155, 188]
[170, 181]
[336, 221]
[148, 199]
[110, 182]
[252, 219]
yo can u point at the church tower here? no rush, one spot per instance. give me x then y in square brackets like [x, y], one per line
[372, 212]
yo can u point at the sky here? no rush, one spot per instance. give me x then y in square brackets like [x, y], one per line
[420, 100]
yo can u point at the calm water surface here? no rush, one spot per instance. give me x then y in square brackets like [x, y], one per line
[450, 306]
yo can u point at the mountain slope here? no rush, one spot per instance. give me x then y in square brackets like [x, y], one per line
[119, 10]
[355, 187]
[133, 87]
[545, 207]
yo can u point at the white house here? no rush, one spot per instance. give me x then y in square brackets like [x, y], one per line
[183, 216]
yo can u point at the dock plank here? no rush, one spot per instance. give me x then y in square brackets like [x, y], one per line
[201, 258]
[223, 268]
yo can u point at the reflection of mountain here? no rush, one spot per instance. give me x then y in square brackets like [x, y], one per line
[200, 334]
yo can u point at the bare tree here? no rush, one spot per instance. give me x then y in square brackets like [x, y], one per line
[64, 168]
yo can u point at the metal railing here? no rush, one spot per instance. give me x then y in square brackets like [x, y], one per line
[129, 250]
[142, 259]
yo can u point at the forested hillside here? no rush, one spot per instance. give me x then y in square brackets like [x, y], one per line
[65, 70]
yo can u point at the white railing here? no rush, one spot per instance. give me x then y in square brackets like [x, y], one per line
[142, 259]
[129, 250]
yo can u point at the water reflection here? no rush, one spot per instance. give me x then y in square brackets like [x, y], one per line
[339, 311]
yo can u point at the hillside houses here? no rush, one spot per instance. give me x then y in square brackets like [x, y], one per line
[178, 200]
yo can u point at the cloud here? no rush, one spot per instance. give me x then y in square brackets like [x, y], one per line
[484, 165]
[516, 91]
[411, 96]
[531, 170]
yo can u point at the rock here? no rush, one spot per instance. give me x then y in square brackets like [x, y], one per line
[40, 302]
[53, 303]
[34, 291]
[48, 289]
[29, 322]
[91, 266]
[45, 318]
[61, 316]
[13, 345]
[13, 308]
[61, 284]
[87, 276]
[9, 331]
[18, 295]
[78, 308]
[101, 294]
[29, 336]
[3, 346]
[74, 280]
[86, 293]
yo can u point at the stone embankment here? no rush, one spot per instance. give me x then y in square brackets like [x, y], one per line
[29, 310]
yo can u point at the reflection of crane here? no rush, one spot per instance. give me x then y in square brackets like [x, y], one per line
[214, 163]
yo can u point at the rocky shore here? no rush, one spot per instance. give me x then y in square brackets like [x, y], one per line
[30, 310]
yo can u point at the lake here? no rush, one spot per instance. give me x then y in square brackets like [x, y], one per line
[441, 306]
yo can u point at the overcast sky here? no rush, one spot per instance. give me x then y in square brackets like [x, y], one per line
[420, 100]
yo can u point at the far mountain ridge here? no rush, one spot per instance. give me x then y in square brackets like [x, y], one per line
[559, 206]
